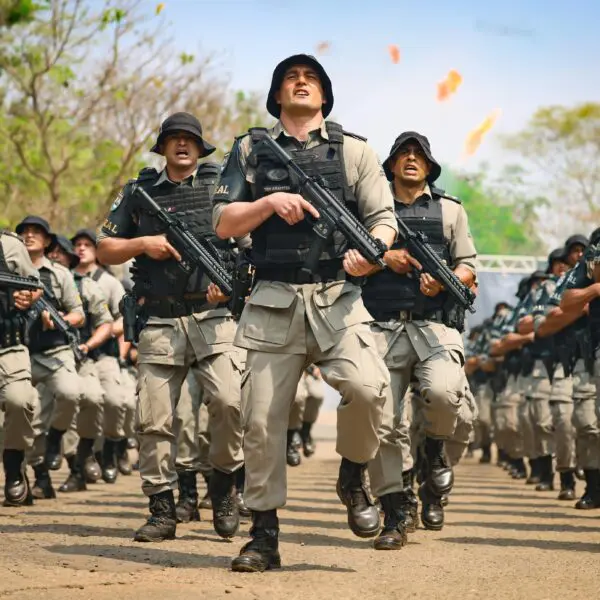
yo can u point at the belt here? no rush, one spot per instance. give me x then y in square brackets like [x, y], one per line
[409, 315]
[299, 276]
[172, 307]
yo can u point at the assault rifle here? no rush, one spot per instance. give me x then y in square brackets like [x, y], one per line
[194, 252]
[17, 282]
[72, 335]
[418, 247]
[333, 215]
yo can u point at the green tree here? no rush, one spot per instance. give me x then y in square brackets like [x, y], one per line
[83, 89]
[502, 216]
[561, 147]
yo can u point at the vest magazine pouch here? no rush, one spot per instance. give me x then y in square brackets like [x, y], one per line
[268, 313]
[340, 304]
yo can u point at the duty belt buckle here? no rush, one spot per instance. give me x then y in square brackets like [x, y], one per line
[404, 315]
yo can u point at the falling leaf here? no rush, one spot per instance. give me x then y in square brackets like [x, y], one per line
[159, 8]
[394, 53]
[322, 47]
[448, 85]
[476, 136]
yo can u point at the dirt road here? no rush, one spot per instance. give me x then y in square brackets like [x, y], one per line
[502, 540]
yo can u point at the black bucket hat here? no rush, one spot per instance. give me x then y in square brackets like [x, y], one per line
[86, 233]
[299, 59]
[39, 222]
[436, 169]
[182, 121]
[558, 254]
[578, 238]
[66, 246]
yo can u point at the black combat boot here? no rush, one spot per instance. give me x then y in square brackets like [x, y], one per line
[393, 535]
[240, 482]
[186, 509]
[75, 482]
[89, 468]
[53, 456]
[567, 485]
[363, 516]
[409, 502]
[591, 496]
[132, 443]
[502, 458]
[534, 471]
[42, 486]
[162, 522]
[580, 473]
[308, 445]
[226, 518]
[546, 483]
[206, 501]
[262, 551]
[440, 477]
[16, 485]
[519, 471]
[109, 467]
[292, 454]
[486, 455]
[122, 454]
[432, 511]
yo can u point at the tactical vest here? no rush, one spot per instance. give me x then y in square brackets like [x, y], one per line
[86, 331]
[111, 346]
[191, 204]
[594, 317]
[274, 242]
[40, 340]
[386, 293]
[12, 321]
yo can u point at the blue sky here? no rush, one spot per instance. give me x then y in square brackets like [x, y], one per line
[515, 56]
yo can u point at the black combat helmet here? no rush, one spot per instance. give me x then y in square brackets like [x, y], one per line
[277, 79]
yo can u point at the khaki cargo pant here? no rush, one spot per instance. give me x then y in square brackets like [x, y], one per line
[585, 421]
[537, 393]
[115, 399]
[308, 401]
[18, 399]
[508, 434]
[285, 328]
[87, 423]
[483, 425]
[561, 408]
[191, 429]
[524, 414]
[168, 350]
[54, 373]
[441, 384]
[129, 384]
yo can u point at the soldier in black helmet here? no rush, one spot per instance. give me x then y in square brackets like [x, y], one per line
[292, 320]
[188, 327]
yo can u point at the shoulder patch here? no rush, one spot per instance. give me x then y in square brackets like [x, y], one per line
[147, 173]
[117, 201]
[442, 194]
[354, 135]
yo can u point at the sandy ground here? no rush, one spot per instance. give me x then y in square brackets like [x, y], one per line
[501, 540]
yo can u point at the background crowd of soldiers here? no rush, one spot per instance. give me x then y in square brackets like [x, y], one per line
[534, 373]
[336, 294]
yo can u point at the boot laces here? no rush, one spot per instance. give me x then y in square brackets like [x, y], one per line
[225, 506]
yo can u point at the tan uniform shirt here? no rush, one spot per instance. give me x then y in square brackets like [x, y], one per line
[364, 174]
[96, 303]
[112, 290]
[64, 287]
[17, 260]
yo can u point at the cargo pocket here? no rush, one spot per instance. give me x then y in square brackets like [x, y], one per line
[157, 340]
[268, 314]
[216, 330]
[341, 305]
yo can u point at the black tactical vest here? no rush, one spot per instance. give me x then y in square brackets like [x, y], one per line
[386, 293]
[274, 242]
[40, 340]
[111, 346]
[190, 203]
[594, 317]
[86, 331]
[12, 321]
